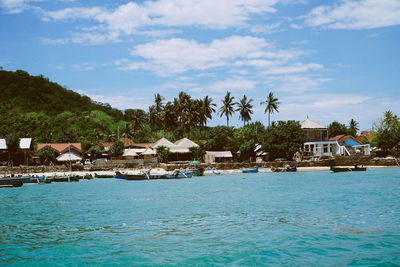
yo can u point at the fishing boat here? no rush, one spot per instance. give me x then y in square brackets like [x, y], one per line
[196, 171]
[103, 175]
[140, 176]
[288, 168]
[348, 169]
[250, 170]
[178, 174]
[11, 181]
[31, 179]
[63, 178]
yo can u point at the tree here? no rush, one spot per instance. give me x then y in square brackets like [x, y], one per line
[163, 153]
[353, 128]
[245, 109]
[227, 107]
[207, 109]
[336, 128]
[283, 139]
[388, 133]
[137, 118]
[46, 155]
[272, 105]
[117, 149]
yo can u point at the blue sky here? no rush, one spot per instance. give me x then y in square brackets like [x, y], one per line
[330, 60]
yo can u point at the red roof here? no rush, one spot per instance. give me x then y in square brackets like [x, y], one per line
[61, 147]
[338, 138]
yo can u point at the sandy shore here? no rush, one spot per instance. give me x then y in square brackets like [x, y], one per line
[206, 173]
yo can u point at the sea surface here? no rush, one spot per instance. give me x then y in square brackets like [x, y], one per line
[289, 219]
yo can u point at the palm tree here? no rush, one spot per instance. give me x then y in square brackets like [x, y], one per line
[158, 108]
[227, 107]
[207, 109]
[272, 105]
[245, 109]
[353, 128]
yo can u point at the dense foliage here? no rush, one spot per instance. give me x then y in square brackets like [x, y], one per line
[283, 139]
[388, 134]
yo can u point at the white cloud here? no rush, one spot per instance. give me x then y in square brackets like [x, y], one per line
[133, 18]
[351, 14]
[298, 84]
[16, 6]
[167, 57]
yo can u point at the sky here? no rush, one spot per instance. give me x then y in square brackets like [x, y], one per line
[329, 60]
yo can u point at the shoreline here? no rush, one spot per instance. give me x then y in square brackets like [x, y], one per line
[206, 173]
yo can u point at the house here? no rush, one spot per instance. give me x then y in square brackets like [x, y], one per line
[218, 156]
[64, 151]
[340, 145]
[314, 130]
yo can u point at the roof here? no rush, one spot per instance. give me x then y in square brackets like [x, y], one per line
[68, 157]
[309, 124]
[149, 151]
[61, 147]
[338, 137]
[3, 144]
[360, 139]
[220, 154]
[164, 142]
[127, 142]
[368, 134]
[25, 143]
[129, 153]
[142, 145]
[186, 143]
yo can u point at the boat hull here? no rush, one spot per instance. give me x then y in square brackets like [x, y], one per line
[11, 182]
[141, 176]
[246, 170]
[348, 169]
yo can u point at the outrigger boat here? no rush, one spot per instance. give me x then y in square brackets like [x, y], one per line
[140, 176]
[178, 174]
[288, 168]
[30, 179]
[64, 178]
[348, 169]
[248, 170]
[11, 181]
[103, 175]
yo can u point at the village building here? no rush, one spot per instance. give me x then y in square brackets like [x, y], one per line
[314, 130]
[341, 145]
[65, 152]
[218, 157]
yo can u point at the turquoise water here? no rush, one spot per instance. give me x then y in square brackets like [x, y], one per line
[305, 218]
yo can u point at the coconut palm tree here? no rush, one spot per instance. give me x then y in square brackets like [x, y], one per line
[272, 105]
[228, 107]
[353, 128]
[207, 109]
[245, 109]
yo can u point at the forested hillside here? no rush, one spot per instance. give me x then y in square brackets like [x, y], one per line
[23, 93]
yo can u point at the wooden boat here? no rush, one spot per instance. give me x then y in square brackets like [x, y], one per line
[30, 179]
[348, 169]
[11, 181]
[292, 168]
[139, 176]
[178, 174]
[65, 178]
[248, 170]
[197, 171]
[103, 175]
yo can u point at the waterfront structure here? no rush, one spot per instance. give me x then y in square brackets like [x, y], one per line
[218, 156]
[64, 151]
[314, 130]
[341, 145]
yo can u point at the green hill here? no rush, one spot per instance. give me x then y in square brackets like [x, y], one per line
[23, 93]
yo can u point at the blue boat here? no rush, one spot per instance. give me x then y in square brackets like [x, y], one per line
[178, 174]
[249, 170]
